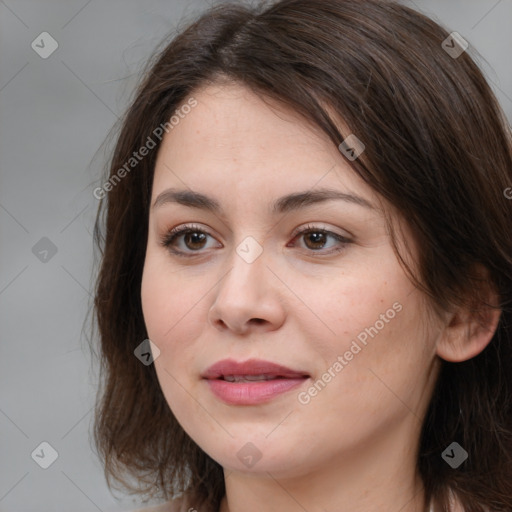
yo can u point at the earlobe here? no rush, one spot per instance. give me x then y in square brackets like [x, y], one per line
[469, 330]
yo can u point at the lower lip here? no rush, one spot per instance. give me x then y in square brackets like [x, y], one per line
[251, 393]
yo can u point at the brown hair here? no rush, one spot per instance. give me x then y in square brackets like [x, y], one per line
[438, 148]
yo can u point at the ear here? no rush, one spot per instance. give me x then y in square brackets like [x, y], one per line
[469, 330]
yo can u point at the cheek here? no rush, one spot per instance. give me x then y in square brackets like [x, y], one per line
[171, 306]
[375, 325]
[363, 301]
[156, 302]
[384, 362]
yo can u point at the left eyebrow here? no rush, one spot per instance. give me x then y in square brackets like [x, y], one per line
[300, 200]
[284, 204]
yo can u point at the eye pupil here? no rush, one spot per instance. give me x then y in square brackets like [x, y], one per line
[193, 237]
[194, 240]
[317, 237]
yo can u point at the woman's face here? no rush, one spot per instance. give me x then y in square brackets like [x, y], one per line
[334, 306]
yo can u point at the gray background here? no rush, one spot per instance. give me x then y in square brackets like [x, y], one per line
[55, 113]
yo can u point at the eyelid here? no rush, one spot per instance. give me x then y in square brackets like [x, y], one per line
[311, 226]
[182, 229]
[342, 240]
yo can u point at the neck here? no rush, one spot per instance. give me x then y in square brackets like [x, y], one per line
[376, 477]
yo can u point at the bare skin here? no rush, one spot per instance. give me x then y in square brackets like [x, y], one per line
[352, 445]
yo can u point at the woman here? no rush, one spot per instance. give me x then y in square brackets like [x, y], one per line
[304, 300]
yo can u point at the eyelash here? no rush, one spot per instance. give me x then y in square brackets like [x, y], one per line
[169, 238]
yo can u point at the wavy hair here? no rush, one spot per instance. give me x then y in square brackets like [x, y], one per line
[438, 148]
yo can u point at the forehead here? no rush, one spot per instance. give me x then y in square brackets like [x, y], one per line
[232, 122]
[238, 139]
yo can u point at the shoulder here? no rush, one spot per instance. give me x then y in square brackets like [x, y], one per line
[456, 505]
[176, 505]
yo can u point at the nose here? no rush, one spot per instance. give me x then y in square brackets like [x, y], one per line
[248, 298]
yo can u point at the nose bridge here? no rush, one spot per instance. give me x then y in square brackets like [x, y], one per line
[247, 291]
[248, 269]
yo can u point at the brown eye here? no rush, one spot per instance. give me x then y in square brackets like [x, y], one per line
[315, 240]
[193, 240]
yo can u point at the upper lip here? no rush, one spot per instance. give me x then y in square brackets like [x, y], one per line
[250, 367]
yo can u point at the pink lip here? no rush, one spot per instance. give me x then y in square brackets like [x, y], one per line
[250, 393]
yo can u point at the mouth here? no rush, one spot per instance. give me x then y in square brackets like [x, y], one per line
[254, 378]
[251, 382]
[252, 369]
